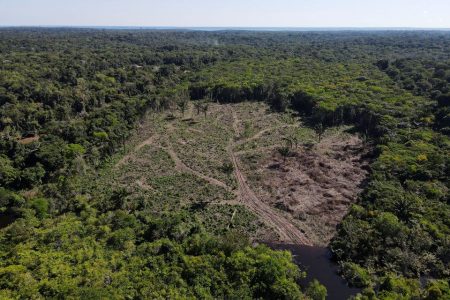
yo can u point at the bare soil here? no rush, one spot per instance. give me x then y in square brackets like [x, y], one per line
[284, 227]
[315, 185]
[298, 200]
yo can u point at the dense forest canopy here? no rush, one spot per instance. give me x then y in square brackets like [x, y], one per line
[70, 99]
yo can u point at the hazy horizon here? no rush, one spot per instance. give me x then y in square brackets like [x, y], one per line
[287, 14]
[231, 28]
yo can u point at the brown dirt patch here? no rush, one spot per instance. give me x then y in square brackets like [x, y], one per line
[29, 140]
[316, 186]
[275, 219]
[298, 200]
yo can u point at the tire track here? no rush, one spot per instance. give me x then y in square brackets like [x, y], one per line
[147, 142]
[262, 132]
[180, 166]
[285, 229]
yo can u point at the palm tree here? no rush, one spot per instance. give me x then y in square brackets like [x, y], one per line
[287, 149]
[406, 207]
[205, 108]
[182, 105]
[227, 168]
[291, 142]
[198, 106]
[285, 152]
[320, 130]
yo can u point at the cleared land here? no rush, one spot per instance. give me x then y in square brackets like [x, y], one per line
[226, 168]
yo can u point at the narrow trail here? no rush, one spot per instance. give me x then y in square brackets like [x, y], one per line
[285, 229]
[147, 142]
[243, 152]
[287, 232]
[262, 132]
[141, 183]
[180, 166]
[235, 122]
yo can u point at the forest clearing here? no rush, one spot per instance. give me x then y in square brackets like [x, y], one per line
[233, 156]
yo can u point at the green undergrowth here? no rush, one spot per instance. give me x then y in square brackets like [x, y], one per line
[136, 256]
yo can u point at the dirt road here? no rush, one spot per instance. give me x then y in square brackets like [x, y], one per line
[180, 166]
[283, 226]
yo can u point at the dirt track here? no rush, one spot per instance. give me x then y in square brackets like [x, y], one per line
[301, 198]
[314, 186]
[285, 229]
[147, 142]
[180, 166]
[262, 132]
[287, 232]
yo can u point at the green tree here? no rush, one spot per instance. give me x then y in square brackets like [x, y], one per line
[182, 104]
[198, 106]
[40, 205]
[8, 174]
[316, 291]
[284, 152]
[320, 130]
[205, 108]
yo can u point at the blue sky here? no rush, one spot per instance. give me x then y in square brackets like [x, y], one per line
[226, 13]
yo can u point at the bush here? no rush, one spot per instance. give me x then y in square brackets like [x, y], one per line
[395, 286]
[8, 174]
[40, 205]
[316, 291]
[120, 238]
[437, 290]
[9, 199]
[356, 275]
[227, 168]
[32, 176]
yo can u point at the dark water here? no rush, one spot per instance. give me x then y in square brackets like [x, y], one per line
[316, 261]
[5, 220]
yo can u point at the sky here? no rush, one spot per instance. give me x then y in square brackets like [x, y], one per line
[227, 13]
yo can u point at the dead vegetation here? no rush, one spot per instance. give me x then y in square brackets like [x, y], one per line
[316, 185]
[226, 168]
